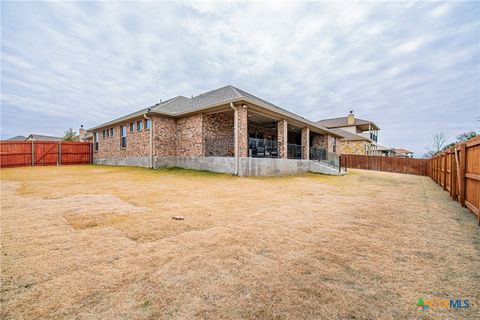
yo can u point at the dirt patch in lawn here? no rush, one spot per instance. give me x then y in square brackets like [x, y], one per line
[99, 242]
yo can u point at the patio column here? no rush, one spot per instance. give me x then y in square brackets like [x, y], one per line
[282, 127]
[242, 131]
[305, 143]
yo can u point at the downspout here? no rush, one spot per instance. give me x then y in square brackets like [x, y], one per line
[235, 136]
[150, 160]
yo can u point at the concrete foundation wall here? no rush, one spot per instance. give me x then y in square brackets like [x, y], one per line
[271, 167]
[132, 161]
[247, 166]
[215, 164]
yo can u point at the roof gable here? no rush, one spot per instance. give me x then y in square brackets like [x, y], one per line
[343, 122]
[348, 136]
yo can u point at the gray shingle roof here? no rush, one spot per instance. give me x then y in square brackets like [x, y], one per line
[43, 138]
[17, 138]
[181, 105]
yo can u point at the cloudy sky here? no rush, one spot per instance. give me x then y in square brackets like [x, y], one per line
[412, 67]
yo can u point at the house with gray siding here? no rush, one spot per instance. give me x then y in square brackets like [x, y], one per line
[223, 130]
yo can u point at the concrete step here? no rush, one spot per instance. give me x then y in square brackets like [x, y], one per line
[324, 168]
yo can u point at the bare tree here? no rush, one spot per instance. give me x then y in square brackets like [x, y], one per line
[466, 136]
[438, 143]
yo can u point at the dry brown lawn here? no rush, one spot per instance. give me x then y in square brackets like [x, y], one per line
[91, 242]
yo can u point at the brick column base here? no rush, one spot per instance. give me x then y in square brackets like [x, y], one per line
[305, 143]
[282, 126]
[242, 131]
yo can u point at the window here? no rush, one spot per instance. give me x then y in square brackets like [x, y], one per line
[335, 144]
[95, 140]
[103, 133]
[108, 133]
[111, 132]
[139, 125]
[147, 124]
[132, 127]
[123, 135]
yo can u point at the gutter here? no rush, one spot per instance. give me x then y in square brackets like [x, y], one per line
[235, 137]
[150, 160]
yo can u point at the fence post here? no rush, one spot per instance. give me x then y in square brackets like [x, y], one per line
[445, 170]
[463, 160]
[453, 175]
[60, 152]
[33, 152]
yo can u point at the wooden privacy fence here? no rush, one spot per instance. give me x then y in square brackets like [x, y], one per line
[389, 164]
[44, 153]
[457, 170]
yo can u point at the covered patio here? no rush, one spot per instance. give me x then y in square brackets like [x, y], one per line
[262, 135]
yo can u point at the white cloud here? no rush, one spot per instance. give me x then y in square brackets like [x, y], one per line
[409, 46]
[441, 10]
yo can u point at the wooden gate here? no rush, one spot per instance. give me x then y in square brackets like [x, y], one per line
[44, 153]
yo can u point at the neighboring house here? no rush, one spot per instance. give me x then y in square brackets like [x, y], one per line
[385, 151]
[17, 138]
[403, 153]
[35, 137]
[83, 136]
[224, 130]
[358, 136]
[39, 137]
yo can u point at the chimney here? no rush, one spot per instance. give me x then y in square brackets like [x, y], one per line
[351, 118]
[81, 134]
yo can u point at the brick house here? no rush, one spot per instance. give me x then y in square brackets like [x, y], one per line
[403, 153]
[358, 136]
[224, 130]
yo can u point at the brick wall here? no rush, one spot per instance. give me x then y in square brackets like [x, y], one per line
[352, 147]
[218, 125]
[189, 136]
[319, 141]
[137, 141]
[185, 137]
[266, 132]
[164, 137]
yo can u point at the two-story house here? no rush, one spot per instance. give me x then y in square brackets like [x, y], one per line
[358, 136]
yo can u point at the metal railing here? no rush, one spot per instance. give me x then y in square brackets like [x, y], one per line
[294, 151]
[262, 148]
[322, 155]
[220, 147]
[318, 154]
